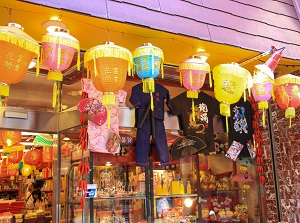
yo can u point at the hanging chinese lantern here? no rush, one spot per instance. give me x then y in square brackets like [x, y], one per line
[43, 140]
[192, 75]
[108, 65]
[33, 157]
[26, 170]
[148, 64]
[58, 49]
[17, 50]
[263, 81]
[10, 138]
[15, 156]
[230, 81]
[287, 94]
[48, 154]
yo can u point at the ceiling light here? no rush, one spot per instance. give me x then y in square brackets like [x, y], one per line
[66, 139]
[52, 25]
[28, 133]
[108, 164]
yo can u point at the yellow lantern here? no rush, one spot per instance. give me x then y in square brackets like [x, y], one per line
[26, 170]
[230, 81]
[108, 65]
[17, 50]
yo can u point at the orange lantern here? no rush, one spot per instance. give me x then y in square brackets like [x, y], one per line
[15, 156]
[33, 157]
[58, 49]
[48, 154]
[108, 65]
[192, 75]
[17, 50]
[10, 138]
[287, 94]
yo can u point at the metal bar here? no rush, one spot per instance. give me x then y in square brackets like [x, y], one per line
[91, 176]
[274, 163]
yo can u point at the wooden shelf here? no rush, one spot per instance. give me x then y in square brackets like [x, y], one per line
[44, 179]
[15, 190]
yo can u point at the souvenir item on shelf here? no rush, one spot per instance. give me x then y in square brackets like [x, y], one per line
[17, 51]
[150, 123]
[287, 94]
[108, 65]
[100, 134]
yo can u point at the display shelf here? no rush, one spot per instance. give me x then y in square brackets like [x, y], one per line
[120, 198]
[47, 191]
[44, 179]
[14, 190]
[175, 195]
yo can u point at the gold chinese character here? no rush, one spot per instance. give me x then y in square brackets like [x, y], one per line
[20, 58]
[10, 56]
[107, 70]
[7, 64]
[17, 67]
[116, 70]
[145, 59]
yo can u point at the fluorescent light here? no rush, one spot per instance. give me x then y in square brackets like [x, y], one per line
[27, 143]
[108, 164]
[66, 139]
[29, 133]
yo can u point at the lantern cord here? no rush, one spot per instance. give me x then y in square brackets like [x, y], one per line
[151, 98]
[193, 110]
[264, 119]
[58, 56]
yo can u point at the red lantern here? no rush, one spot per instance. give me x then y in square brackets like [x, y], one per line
[15, 156]
[58, 49]
[287, 94]
[192, 75]
[11, 138]
[33, 157]
[48, 154]
[17, 50]
[108, 64]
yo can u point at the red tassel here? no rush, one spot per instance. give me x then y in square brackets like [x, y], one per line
[255, 125]
[257, 133]
[260, 160]
[256, 115]
[259, 151]
[262, 179]
[258, 141]
[254, 107]
[260, 169]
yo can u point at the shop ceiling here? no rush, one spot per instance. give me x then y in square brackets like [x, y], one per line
[35, 93]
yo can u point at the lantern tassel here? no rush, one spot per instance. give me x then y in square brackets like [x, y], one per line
[37, 66]
[151, 98]
[245, 94]
[78, 60]
[193, 110]
[191, 78]
[180, 78]
[152, 65]
[54, 96]
[108, 117]
[290, 125]
[227, 125]
[264, 119]
[58, 56]
[162, 71]
[210, 81]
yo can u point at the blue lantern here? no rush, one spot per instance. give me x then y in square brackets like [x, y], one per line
[148, 64]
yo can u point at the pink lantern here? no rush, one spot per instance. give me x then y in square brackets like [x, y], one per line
[58, 49]
[263, 80]
[192, 75]
[48, 154]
